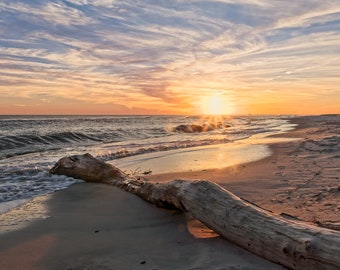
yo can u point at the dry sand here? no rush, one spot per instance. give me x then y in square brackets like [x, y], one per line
[93, 226]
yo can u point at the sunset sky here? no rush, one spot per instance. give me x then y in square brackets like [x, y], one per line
[169, 57]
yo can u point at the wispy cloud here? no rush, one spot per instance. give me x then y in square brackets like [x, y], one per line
[55, 13]
[166, 54]
[98, 3]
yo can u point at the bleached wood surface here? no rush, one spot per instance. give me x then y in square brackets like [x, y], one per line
[293, 244]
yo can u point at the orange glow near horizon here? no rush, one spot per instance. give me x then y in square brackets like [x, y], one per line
[216, 105]
[169, 65]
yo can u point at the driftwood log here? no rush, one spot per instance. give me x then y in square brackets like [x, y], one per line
[293, 244]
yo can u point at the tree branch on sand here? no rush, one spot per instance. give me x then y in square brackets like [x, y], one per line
[294, 244]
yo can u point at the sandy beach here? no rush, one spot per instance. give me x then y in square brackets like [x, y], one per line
[300, 178]
[94, 226]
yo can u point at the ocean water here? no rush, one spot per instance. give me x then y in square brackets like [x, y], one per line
[31, 145]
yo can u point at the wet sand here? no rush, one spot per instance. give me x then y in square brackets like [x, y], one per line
[94, 226]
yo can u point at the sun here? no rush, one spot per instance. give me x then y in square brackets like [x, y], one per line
[215, 104]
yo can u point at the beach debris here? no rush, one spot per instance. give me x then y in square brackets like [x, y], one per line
[292, 243]
[134, 172]
[137, 172]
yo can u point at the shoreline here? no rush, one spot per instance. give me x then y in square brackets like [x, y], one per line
[215, 156]
[300, 178]
[100, 226]
[180, 161]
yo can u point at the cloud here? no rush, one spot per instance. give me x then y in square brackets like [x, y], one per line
[56, 13]
[162, 53]
[307, 15]
[98, 3]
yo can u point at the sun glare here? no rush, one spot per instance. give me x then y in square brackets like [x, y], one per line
[215, 104]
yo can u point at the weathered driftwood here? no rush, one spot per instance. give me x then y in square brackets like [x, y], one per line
[295, 245]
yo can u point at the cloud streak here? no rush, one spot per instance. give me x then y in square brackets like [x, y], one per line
[162, 56]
